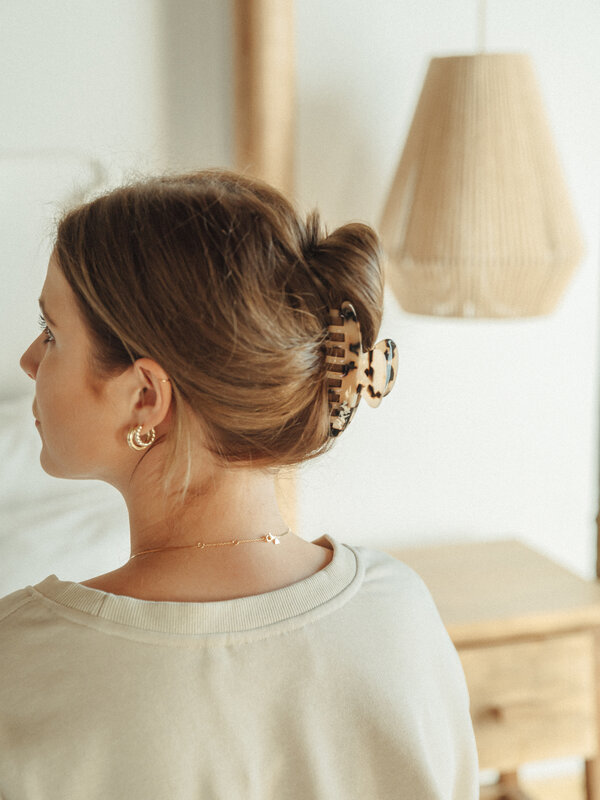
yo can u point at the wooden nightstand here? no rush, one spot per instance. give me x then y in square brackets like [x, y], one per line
[528, 634]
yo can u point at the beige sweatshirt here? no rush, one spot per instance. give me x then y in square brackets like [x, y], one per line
[343, 686]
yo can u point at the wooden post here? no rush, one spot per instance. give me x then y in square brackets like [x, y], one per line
[598, 545]
[592, 765]
[264, 90]
[265, 121]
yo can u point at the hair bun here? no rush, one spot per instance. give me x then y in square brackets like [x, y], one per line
[311, 240]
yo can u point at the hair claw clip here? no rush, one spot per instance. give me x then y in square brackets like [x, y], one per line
[352, 372]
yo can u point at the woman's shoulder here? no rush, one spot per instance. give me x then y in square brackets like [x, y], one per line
[18, 624]
[11, 603]
[383, 579]
[395, 601]
[388, 574]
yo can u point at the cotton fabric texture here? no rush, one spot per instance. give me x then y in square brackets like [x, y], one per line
[342, 686]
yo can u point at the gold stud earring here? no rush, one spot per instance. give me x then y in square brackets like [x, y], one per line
[135, 441]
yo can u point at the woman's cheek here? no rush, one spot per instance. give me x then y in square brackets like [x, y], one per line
[53, 398]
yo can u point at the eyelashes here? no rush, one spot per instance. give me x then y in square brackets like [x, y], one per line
[45, 329]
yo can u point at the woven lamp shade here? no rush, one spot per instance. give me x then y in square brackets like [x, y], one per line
[478, 222]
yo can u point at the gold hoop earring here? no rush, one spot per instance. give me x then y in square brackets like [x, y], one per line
[135, 441]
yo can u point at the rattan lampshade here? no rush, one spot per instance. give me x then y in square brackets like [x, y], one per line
[478, 221]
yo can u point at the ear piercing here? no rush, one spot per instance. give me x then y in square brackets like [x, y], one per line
[135, 441]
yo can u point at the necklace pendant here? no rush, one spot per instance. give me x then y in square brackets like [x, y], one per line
[270, 538]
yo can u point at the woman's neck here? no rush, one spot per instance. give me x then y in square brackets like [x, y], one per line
[224, 505]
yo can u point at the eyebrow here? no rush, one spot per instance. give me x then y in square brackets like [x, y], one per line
[45, 313]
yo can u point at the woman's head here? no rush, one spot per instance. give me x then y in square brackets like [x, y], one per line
[214, 277]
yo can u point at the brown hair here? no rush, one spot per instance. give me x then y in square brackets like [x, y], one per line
[214, 276]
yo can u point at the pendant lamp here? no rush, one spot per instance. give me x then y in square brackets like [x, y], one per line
[478, 221]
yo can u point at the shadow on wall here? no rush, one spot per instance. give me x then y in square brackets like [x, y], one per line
[197, 69]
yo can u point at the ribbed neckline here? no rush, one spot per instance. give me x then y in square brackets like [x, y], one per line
[227, 616]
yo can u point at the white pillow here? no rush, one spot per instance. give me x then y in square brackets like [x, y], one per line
[74, 529]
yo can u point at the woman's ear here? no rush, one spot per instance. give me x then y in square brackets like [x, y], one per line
[151, 402]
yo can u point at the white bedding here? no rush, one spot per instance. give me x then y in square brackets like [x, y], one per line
[74, 529]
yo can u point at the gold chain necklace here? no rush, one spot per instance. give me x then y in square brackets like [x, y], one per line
[231, 543]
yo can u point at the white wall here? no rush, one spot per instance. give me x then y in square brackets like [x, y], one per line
[96, 91]
[79, 83]
[492, 428]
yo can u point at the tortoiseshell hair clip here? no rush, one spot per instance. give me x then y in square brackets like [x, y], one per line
[352, 373]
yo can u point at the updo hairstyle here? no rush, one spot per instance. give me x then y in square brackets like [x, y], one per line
[214, 276]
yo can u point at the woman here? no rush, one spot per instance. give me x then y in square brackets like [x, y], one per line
[196, 337]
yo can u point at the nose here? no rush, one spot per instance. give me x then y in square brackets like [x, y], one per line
[29, 363]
